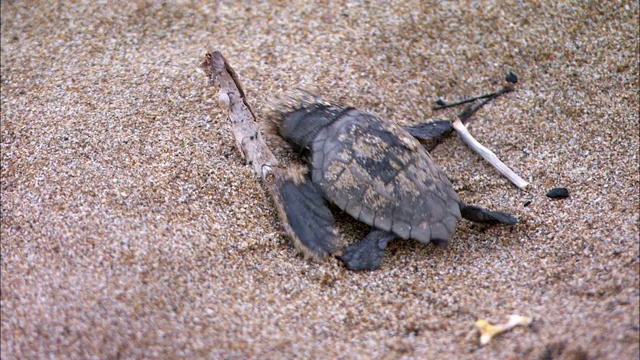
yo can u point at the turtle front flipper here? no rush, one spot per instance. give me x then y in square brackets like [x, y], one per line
[312, 224]
[480, 215]
[367, 253]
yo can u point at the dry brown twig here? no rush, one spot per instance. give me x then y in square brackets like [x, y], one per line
[246, 130]
[245, 127]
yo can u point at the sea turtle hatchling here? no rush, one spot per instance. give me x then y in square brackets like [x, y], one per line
[377, 172]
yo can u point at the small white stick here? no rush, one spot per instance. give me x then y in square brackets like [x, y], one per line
[488, 155]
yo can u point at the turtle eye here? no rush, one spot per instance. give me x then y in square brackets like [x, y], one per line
[293, 128]
[306, 155]
[300, 126]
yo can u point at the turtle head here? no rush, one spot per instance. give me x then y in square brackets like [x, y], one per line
[300, 126]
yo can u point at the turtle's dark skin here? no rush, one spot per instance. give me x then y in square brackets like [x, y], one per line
[377, 172]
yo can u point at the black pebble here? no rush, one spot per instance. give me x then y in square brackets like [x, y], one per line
[527, 203]
[511, 77]
[558, 193]
[441, 102]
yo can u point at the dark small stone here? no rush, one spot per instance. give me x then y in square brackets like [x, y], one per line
[441, 102]
[527, 203]
[511, 77]
[558, 193]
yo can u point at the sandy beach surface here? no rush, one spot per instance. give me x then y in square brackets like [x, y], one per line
[132, 228]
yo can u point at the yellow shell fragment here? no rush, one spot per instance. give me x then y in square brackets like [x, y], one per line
[488, 331]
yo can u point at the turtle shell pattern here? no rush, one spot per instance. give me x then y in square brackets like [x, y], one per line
[378, 173]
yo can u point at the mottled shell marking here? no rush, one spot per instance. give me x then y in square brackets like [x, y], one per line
[379, 174]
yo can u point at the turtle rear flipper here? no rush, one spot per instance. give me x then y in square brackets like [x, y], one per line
[430, 130]
[309, 217]
[430, 133]
[367, 253]
[480, 215]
